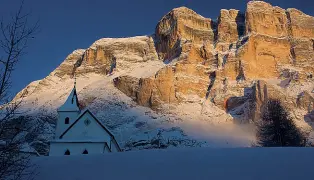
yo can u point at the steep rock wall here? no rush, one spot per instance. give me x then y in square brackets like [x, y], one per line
[263, 43]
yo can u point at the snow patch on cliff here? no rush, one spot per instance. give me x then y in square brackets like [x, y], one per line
[113, 41]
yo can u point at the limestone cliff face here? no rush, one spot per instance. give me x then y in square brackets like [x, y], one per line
[264, 56]
[205, 57]
[108, 53]
[192, 68]
[179, 25]
[302, 45]
[184, 40]
[263, 18]
[216, 60]
[231, 25]
[301, 25]
[278, 40]
[67, 67]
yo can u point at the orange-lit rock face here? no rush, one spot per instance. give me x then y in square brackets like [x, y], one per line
[303, 55]
[226, 69]
[105, 52]
[263, 43]
[165, 85]
[302, 25]
[263, 18]
[231, 25]
[181, 24]
[303, 51]
[189, 76]
[262, 56]
[89, 56]
[145, 94]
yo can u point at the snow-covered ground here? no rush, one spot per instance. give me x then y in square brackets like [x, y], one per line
[197, 124]
[185, 163]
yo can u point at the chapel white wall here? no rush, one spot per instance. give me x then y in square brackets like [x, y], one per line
[61, 126]
[58, 149]
[91, 132]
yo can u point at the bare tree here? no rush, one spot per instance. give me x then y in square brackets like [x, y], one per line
[14, 37]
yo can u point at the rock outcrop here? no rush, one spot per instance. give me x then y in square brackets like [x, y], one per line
[262, 18]
[264, 56]
[266, 42]
[191, 69]
[305, 101]
[219, 61]
[179, 25]
[301, 25]
[108, 53]
[231, 25]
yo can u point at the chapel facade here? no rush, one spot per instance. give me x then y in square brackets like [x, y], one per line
[80, 132]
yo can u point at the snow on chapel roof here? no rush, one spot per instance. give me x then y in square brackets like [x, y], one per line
[71, 104]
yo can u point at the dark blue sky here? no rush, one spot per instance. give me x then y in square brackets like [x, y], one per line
[67, 25]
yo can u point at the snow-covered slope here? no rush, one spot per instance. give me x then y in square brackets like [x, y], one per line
[136, 126]
[205, 80]
[183, 164]
[191, 124]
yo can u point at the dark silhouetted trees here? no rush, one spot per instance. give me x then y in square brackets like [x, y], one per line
[15, 33]
[276, 128]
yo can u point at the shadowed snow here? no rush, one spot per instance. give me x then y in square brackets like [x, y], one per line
[186, 163]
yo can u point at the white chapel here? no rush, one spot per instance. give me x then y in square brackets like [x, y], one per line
[80, 132]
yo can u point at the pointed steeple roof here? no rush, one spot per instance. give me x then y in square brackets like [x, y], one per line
[72, 103]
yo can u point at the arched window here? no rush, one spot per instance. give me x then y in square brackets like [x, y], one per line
[85, 152]
[67, 152]
[67, 120]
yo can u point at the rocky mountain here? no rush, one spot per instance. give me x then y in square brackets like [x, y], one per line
[195, 82]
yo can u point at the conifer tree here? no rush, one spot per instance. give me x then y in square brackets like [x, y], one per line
[276, 128]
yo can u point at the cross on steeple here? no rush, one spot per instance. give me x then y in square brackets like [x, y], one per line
[71, 104]
[74, 88]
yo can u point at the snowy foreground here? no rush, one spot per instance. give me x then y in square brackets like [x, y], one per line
[186, 163]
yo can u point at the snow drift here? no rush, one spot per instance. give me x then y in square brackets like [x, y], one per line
[186, 163]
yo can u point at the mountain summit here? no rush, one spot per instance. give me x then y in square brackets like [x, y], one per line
[194, 79]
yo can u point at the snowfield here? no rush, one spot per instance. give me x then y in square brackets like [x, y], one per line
[185, 163]
[193, 124]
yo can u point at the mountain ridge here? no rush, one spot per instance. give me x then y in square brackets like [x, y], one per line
[214, 72]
